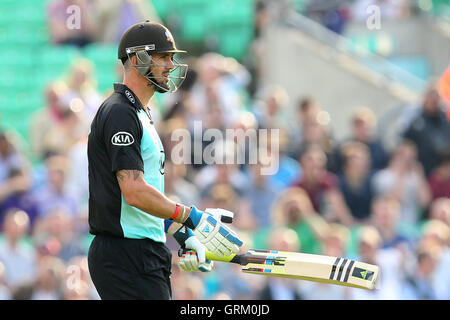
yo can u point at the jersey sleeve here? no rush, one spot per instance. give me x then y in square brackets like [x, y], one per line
[122, 137]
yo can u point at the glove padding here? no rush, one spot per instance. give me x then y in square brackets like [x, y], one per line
[217, 237]
[189, 262]
[223, 215]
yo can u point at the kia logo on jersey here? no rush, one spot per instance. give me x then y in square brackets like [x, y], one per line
[122, 138]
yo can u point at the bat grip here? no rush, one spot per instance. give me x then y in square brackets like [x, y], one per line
[210, 256]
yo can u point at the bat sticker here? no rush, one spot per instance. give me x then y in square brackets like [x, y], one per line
[362, 274]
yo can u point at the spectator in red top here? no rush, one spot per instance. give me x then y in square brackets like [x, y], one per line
[321, 186]
[439, 179]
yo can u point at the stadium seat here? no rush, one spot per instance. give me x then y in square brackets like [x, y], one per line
[235, 43]
[101, 53]
[57, 55]
[48, 74]
[231, 13]
[192, 18]
[231, 24]
[23, 36]
[162, 7]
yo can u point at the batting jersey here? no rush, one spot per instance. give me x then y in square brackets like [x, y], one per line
[123, 137]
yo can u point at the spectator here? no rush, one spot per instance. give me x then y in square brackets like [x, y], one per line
[177, 185]
[16, 193]
[115, 16]
[70, 22]
[356, 180]
[43, 120]
[16, 254]
[437, 233]
[219, 171]
[322, 186]
[439, 178]
[227, 78]
[82, 95]
[191, 288]
[289, 169]
[440, 210]
[10, 157]
[64, 135]
[180, 103]
[48, 284]
[388, 9]
[5, 293]
[390, 262]
[78, 284]
[222, 195]
[54, 195]
[78, 292]
[422, 284]
[364, 123]
[405, 180]
[270, 109]
[331, 14]
[281, 239]
[385, 215]
[261, 194]
[307, 111]
[77, 174]
[55, 235]
[243, 129]
[214, 116]
[430, 130]
[317, 132]
[293, 209]
[334, 244]
[256, 50]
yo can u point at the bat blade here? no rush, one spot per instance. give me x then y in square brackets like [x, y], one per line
[304, 266]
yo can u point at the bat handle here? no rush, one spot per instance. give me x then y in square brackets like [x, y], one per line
[210, 255]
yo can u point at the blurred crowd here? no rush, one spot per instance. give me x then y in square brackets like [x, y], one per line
[335, 14]
[351, 198]
[100, 17]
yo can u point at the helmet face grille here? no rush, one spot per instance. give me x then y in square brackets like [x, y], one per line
[145, 63]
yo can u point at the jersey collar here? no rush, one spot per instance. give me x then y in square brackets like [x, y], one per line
[129, 94]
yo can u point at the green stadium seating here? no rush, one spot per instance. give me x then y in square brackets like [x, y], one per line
[30, 61]
[193, 19]
[17, 58]
[20, 36]
[59, 56]
[162, 8]
[299, 5]
[101, 53]
[231, 24]
[229, 13]
[235, 44]
[104, 57]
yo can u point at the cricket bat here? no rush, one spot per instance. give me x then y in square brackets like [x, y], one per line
[304, 266]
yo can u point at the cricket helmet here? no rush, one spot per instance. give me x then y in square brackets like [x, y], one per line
[144, 39]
